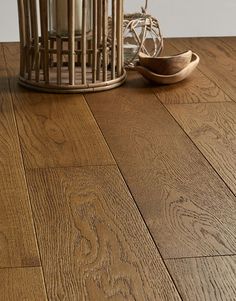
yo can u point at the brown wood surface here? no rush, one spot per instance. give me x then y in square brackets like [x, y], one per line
[133, 107]
[55, 130]
[212, 127]
[177, 191]
[217, 61]
[230, 41]
[22, 284]
[205, 279]
[17, 237]
[197, 88]
[93, 241]
[175, 147]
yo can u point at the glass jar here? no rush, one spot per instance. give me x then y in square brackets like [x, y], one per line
[58, 16]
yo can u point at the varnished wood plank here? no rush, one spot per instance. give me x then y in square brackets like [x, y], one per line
[197, 88]
[22, 284]
[212, 127]
[135, 108]
[217, 61]
[188, 209]
[230, 41]
[201, 279]
[55, 130]
[17, 237]
[93, 241]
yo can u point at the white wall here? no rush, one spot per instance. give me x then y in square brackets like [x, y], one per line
[178, 18]
[8, 20]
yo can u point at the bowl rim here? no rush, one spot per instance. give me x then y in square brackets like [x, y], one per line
[194, 60]
[142, 55]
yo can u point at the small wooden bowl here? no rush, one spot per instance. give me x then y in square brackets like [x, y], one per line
[169, 79]
[166, 65]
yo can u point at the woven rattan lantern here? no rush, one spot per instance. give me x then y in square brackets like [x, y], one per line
[71, 46]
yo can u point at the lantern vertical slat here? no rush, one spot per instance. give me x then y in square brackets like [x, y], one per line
[105, 36]
[119, 36]
[46, 44]
[35, 37]
[71, 26]
[59, 60]
[78, 53]
[22, 36]
[99, 41]
[27, 38]
[95, 39]
[71, 46]
[89, 50]
[44, 32]
[51, 52]
[32, 31]
[59, 46]
[84, 40]
[113, 53]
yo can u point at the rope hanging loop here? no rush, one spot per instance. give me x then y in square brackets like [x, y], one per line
[144, 9]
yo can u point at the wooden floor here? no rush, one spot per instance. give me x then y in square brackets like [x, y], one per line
[128, 194]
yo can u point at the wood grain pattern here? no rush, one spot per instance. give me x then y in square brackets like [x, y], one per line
[22, 284]
[179, 194]
[17, 237]
[230, 41]
[212, 127]
[55, 130]
[197, 88]
[217, 61]
[133, 107]
[204, 279]
[93, 241]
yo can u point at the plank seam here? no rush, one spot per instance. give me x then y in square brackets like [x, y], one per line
[21, 267]
[199, 257]
[67, 166]
[197, 103]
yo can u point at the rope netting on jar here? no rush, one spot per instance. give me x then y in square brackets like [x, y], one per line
[141, 34]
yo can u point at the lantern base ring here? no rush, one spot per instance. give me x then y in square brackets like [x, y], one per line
[68, 89]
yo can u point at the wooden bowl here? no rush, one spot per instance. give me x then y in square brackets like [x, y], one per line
[169, 79]
[166, 65]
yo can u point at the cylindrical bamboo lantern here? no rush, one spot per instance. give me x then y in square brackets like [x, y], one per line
[71, 46]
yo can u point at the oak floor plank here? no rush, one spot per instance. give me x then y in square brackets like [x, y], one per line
[205, 279]
[93, 241]
[230, 41]
[55, 130]
[17, 238]
[134, 107]
[212, 127]
[197, 88]
[217, 61]
[22, 284]
[179, 194]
